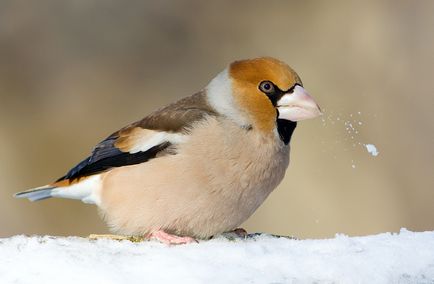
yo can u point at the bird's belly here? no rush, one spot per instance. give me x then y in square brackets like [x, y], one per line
[188, 197]
[199, 192]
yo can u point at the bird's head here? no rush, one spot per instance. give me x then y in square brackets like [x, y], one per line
[260, 92]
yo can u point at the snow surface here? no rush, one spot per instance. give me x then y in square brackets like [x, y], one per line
[406, 257]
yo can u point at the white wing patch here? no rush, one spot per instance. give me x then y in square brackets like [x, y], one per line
[151, 138]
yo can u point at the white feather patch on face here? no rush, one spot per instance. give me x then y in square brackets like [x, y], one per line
[88, 190]
[220, 97]
[151, 138]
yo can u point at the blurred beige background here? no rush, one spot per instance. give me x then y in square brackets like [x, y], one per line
[72, 72]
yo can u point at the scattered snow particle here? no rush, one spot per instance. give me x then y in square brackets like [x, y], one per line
[372, 149]
[353, 166]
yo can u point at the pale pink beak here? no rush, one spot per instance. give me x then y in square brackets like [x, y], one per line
[298, 105]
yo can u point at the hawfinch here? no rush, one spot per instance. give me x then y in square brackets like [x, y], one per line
[200, 166]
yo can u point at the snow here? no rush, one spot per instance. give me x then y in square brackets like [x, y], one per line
[406, 257]
[372, 149]
[349, 129]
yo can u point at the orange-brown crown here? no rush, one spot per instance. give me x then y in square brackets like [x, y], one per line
[246, 76]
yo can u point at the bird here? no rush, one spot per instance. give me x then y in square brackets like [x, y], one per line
[198, 167]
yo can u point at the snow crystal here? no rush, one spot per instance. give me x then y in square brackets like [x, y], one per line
[406, 257]
[372, 149]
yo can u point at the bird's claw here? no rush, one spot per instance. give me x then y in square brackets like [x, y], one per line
[238, 233]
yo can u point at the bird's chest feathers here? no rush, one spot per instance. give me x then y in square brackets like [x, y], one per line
[240, 164]
[260, 169]
[251, 171]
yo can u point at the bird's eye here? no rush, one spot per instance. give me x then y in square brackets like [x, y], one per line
[266, 87]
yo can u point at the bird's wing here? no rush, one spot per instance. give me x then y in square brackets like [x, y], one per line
[155, 135]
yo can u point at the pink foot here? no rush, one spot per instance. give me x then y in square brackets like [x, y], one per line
[169, 239]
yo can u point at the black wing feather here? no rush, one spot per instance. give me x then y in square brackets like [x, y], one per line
[117, 158]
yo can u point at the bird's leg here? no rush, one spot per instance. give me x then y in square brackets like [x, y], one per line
[116, 237]
[170, 239]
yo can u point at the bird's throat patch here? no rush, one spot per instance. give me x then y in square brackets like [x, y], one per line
[285, 129]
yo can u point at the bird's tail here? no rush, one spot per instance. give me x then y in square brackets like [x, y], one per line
[85, 189]
[36, 194]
